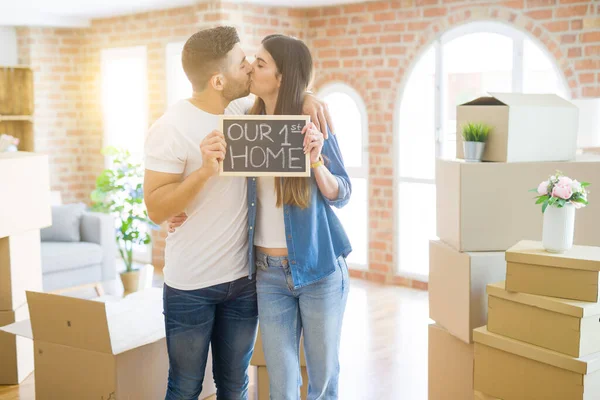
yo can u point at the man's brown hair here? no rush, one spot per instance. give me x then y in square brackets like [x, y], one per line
[204, 54]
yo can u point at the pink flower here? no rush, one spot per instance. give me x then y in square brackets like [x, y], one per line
[562, 191]
[543, 188]
[564, 181]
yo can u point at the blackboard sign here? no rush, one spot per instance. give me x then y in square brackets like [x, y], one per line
[265, 145]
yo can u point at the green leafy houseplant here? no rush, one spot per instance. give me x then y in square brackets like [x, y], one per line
[119, 192]
[475, 132]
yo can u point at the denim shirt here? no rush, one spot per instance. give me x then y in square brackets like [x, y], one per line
[314, 235]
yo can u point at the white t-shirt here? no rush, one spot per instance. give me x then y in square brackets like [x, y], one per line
[211, 247]
[270, 227]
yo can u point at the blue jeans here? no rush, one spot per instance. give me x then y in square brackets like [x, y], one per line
[316, 311]
[222, 316]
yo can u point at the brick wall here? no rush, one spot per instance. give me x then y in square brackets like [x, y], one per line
[369, 46]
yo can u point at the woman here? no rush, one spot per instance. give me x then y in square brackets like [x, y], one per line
[300, 245]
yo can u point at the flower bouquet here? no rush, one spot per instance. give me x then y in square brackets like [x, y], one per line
[563, 196]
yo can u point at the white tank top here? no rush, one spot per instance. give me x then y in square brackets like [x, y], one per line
[270, 227]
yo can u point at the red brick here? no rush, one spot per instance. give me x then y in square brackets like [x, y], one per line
[592, 50]
[417, 26]
[379, 267]
[587, 78]
[539, 3]
[360, 19]
[540, 14]
[591, 92]
[420, 285]
[339, 21]
[421, 3]
[367, 40]
[574, 52]
[390, 39]
[388, 16]
[577, 24]
[519, 4]
[371, 29]
[590, 37]
[317, 23]
[329, 11]
[349, 53]
[557, 26]
[399, 27]
[571, 11]
[376, 277]
[379, 6]
[331, 64]
[435, 12]
[354, 8]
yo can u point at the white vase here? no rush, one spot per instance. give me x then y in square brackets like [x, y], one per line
[559, 225]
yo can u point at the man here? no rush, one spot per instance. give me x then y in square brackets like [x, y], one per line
[209, 295]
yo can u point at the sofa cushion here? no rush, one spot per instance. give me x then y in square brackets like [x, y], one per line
[66, 220]
[61, 256]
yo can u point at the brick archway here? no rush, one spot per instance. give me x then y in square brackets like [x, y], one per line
[511, 17]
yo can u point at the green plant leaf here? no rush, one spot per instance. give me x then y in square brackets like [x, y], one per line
[541, 199]
[544, 206]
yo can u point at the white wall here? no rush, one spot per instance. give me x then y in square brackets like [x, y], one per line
[8, 46]
[589, 122]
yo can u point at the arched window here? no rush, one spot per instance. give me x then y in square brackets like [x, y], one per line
[464, 63]
[350, 118]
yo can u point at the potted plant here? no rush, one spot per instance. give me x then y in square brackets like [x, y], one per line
[560, 196]
[119, 192]
[474, 137]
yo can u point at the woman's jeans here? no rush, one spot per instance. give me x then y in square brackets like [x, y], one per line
[316, 311]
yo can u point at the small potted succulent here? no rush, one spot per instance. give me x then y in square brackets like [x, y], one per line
[474, 135]
[560, 196]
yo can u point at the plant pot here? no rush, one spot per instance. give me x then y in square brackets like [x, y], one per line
[131, 281]
[559, 226]
[473, 151]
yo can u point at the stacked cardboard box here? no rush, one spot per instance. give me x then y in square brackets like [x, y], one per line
[485, 208]
[24, 210]
[262, 375]
[536, 345]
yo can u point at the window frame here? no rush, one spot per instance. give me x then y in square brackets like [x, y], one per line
[111, 54]
[361, 172]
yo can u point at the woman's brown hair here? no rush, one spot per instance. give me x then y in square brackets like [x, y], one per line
[294, 64]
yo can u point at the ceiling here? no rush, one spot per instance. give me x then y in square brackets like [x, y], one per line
[74, 13]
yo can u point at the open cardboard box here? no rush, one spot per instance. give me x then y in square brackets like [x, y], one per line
[525, 127]
[86, 349]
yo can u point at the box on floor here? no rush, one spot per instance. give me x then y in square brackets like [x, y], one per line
[513, 370]
[566, 326]
[488, 206]
[20, 268]
[570, 275]
[17, 352]
[450, 366]
[86, 348]
[457, 287]
[25, 177]
[262, 375]
[525, 127]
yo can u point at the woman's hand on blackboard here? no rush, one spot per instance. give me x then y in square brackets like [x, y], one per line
[319, 113]
[213, 149]
[313, 141]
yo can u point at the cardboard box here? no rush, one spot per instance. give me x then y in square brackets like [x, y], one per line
[488, 206]
[262, 387]
[258, 357]
[450, 366]
[514, 370]
[566, 326]
[20, 268]
[457, 284]
[525, 127]
[25, 200]
[87, 349]
[17, 352]
[571, 275]
[483, 396]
